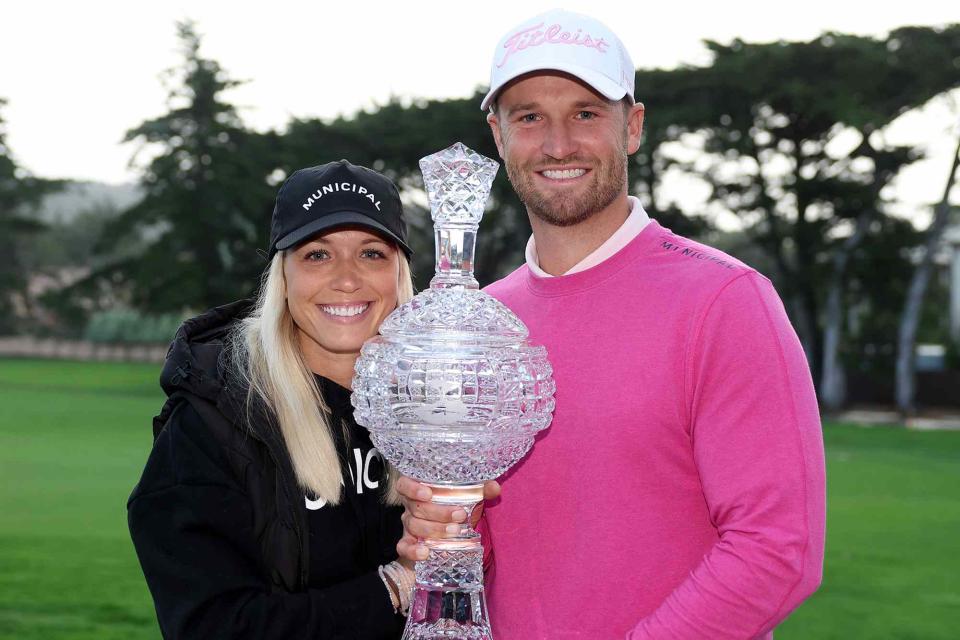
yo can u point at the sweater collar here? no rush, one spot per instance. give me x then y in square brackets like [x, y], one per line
[636, 221]
[568, 283]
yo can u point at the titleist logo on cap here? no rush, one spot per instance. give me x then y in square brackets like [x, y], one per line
[340, 187]
[554, 34]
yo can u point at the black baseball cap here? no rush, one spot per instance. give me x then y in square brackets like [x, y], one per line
[336, 194]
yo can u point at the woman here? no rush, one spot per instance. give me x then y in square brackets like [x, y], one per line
[263, 508]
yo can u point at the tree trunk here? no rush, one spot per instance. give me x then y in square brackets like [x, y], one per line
[832, 382]
[832, 389]
[805, 258]
[909, 322]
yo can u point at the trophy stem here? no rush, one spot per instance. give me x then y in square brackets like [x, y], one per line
[448, 601]
[455, 244]
[464, 496]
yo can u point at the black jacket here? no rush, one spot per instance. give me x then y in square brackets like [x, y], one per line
[220, 525]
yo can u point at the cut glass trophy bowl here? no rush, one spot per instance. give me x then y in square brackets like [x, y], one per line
[453, 395]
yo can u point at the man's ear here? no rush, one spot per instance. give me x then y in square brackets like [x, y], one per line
[494, 123]
[634, 127]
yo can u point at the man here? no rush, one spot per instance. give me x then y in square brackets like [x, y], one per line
[679, 492]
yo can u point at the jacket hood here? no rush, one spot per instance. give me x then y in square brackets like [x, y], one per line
[196, 360]
[198, 370]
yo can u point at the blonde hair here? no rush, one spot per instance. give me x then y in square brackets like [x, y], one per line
[267, 357]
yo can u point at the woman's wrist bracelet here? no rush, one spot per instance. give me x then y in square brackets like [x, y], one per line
[394, 599]
[404, 581]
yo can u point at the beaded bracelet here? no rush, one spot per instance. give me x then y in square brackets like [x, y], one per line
[403, 579]
[393, 596]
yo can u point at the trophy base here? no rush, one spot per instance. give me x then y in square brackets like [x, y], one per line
[448, 602]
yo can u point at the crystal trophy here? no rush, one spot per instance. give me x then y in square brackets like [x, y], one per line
[453, 395]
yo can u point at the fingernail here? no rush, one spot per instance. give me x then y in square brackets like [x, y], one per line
[453, 528]
[459, 515]
[423, 493]
[422, 553]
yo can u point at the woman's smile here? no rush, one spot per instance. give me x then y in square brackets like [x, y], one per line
[350, 312]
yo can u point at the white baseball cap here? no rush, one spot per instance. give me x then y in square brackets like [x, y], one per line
[563, 41]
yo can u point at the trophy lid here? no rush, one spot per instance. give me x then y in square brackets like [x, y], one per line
[463, 314]
[458, 181]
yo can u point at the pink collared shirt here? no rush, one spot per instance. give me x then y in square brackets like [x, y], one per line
[630, 229]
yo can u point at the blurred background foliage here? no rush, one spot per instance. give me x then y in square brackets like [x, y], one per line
[787, 137]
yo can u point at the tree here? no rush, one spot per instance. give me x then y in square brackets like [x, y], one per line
[194, 236]
[18, 193]
[667, 94]
[877, 278]
[787, 138]
[906, 343]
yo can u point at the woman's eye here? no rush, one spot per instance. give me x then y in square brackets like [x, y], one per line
[316, 254]
[373, 253]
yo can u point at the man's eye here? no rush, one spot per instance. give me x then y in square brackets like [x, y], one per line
[587, 115]
[529, 117]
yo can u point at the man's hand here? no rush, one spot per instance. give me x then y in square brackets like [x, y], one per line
[424, 519]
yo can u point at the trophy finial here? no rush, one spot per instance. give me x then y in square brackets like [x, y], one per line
[458, 181]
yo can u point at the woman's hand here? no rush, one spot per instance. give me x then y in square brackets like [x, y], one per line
[424, 519]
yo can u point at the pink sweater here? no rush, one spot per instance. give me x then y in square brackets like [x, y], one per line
[679, 492]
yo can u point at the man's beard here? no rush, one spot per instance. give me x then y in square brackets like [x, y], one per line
[568, 209]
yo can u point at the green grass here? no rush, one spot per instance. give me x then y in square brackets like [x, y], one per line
[74, 436]
[73, 440]
[892, 566]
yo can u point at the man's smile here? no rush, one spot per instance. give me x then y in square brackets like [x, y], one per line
[562, 174]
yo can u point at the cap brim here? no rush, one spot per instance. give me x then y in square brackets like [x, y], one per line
[607, 87]
[332, 220]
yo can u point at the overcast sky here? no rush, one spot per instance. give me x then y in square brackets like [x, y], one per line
[77, 75]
